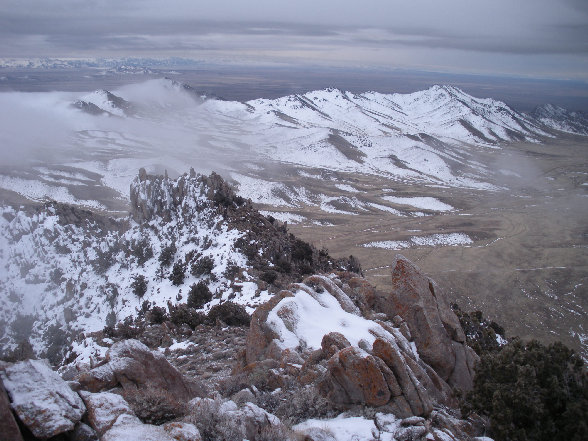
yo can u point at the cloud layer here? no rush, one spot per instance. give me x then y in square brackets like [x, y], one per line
[526, 37]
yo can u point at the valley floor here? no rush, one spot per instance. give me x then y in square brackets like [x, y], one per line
[527, 266]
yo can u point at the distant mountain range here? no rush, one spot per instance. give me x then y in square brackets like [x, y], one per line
[424, 136]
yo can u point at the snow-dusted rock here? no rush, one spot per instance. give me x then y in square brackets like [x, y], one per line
[130, 364]
[131, 429]
[104, 408]
[41, 399]
[83, 432]
[181, 431]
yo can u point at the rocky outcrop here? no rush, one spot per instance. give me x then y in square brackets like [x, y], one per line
[434, 327]
[130, 364]
[360, 346]
[41, 399]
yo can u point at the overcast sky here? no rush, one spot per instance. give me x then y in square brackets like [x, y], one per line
[537, 38]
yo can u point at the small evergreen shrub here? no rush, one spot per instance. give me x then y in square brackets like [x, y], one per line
[142, 250]
[202, 267]
[178, 274]
[230, 313]
[184, 315]
[301, 251]
[167, 255]
[269, 276]
[199, 295]
[139, 285]
[157, 315]
[531, 392]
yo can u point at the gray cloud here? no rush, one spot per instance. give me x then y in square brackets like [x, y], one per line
[304, 31]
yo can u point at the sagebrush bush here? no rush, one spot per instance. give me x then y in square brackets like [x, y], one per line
[269, 276]
[157, 315]
[213, 425]
[154, 405]
[531, 392]
[198, 295]
[293, 405]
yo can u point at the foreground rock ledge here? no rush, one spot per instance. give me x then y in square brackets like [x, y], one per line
[403, 350]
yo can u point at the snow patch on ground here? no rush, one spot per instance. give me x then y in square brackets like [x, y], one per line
[343, 428]
[441, 239]
[422, 202]
[282, 216]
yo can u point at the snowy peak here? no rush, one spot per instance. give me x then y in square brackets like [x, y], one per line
[104, 102]
[558, 118]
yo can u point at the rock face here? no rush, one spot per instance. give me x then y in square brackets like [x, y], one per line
[435, 328]
[131, 365]
[401, 351]
[9, 430]
[41, 399]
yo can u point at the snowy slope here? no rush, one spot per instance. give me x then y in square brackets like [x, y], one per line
[71, 268]
[561, 119]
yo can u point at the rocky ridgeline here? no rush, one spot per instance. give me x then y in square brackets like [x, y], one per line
[330, 345]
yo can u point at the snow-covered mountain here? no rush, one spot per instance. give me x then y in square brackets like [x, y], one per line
[443, 112]
[561, 119]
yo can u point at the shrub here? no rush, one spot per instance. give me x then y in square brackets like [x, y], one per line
[231, 271]
[178, 274]
[142, 250]
[213, 424]
[531, 392]
[301, 251]
[139, 285]
[154, 405]
[57, 340]
[22, 326]
[183, 314]
[230, 313]
[167, 255]
[296, 404]
[198, 295]
[481, 334]
[157, 315]
[202, 266]
[284, 266]
[269, 276]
